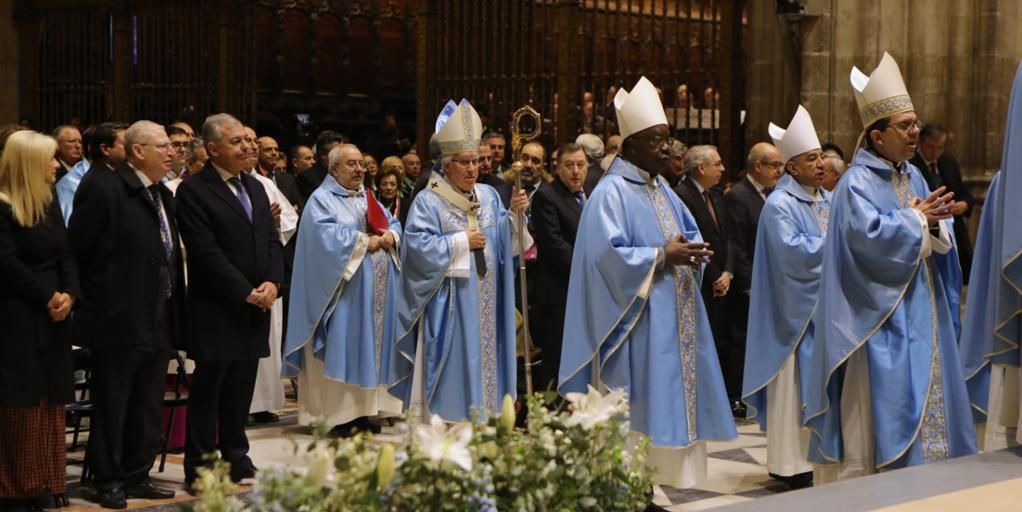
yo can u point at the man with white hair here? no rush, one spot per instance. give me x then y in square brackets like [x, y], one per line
[340, 328]
[125, 239]
[592, 145]
[634, 317]
[235, 266]
[457, 297]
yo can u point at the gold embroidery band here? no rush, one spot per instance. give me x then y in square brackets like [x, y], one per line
[885, 108]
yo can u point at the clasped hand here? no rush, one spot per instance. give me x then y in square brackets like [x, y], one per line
[937, 206]
[263, 296]
[385, 241]
[59, 306]
[679, 251]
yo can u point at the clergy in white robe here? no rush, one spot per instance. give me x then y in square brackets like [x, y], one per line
[268, 395]
[635, 319]
[785, 284]
[456, 309]
[340, 329]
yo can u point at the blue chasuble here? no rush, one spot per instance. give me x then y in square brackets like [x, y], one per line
[342, 296]
[878, 294]
[785, 280]
[467, 323]
[632, 326]
[993, 325]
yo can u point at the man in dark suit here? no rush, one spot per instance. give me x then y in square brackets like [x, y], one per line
[125, 239]
[742, 204]
[487, 177]
[269, 157]
[310, 179]
[699, 192]
[556, 211]
[941, 170]
[235, 265]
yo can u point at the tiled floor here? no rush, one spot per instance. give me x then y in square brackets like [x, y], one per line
[736, 472]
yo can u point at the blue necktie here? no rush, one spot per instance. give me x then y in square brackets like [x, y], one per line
[581, 198]
[242, 194]
[165, 237]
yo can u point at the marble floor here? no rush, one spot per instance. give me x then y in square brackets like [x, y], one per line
[736, 471]
[736, 479]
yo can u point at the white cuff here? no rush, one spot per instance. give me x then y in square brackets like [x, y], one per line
[925, 250]
[397, 238]
[647, 283]
[361, 247]
[661, 258]
[943, 243]
[459, 258]
[516, 232]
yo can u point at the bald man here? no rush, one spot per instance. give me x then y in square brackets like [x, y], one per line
[742, 205]
[269, 155]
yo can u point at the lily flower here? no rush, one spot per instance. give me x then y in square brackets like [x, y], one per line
[442, 444]
[592, 408]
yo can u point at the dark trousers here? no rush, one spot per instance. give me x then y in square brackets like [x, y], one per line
[127, 393]
[730, 352]
[547, 332]
[221, 391]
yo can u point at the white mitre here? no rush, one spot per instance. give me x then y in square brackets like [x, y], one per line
[882, 93]
[799, 137]
[462, 130]
[638, 109]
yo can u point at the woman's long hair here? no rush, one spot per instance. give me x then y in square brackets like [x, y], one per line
[24, 166]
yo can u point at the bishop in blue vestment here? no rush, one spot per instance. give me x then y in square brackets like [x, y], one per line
[785, 286]
[886, 387]
[635, 319]
[345, 281]
[457, 294]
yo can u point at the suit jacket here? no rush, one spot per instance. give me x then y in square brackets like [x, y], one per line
[593, 177]
[743, 205]
[310, 179]
[555, 217]
[289, 187]
[228, 256]
[35, 351]
[950, 175]
[716, 234]
[114, 233]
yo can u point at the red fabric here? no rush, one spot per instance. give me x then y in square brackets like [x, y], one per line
[376, 218]
[32, 452]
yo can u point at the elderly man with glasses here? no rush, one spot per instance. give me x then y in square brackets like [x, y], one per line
[886, 387]
[635, 320]
[456, 303]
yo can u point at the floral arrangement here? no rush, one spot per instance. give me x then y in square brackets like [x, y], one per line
[579, 459]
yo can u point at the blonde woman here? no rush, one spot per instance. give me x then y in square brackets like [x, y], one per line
[40, 284]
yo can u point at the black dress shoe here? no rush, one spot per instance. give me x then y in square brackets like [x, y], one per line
[738, 409]
[264, 417]
[242, 470]
[148, 490]
[112, 498]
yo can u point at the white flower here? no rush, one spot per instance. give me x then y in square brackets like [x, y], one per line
[441, 444]
[592, 408]
[320, 468]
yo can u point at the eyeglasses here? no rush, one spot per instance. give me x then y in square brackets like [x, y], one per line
[658, 141]
[906, 125]
[179, 144]
[466, 162]
[161, 147]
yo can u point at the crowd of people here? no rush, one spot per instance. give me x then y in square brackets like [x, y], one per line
[386, 282]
